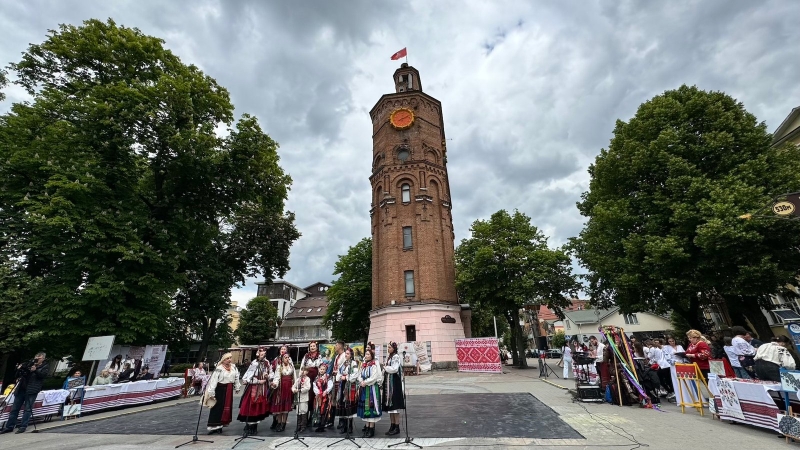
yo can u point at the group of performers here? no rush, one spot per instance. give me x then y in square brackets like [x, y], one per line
[343, 388]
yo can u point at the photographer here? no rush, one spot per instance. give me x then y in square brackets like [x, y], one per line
[30, 377]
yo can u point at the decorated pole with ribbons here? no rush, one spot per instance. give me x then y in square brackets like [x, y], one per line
[626, 359]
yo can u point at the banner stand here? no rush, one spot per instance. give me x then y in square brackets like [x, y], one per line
[690, 381]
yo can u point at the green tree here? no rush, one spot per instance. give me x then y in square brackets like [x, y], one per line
[257, 322]
[663, 231]
[113, 179]
[350, 296]
[505, 265]
[558, 340]
[483, 320]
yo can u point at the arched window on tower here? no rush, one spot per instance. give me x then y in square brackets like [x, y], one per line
[405, 189]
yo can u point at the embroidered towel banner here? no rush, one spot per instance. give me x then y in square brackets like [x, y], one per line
[478, 355]
[729, 398]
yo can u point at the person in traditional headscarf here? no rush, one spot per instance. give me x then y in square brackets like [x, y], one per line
[224, 381]
[254, 405]
[393, 400]
[322, 388]
[369, 399]
[282, 381]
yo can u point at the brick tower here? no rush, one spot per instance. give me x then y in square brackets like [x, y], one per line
[413, 274]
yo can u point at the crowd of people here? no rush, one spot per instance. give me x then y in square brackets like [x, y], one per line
[653, 359]
[319, 391]
[123, 371]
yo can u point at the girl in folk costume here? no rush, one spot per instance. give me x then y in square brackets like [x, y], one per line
[393, 401]
[348, 386]
[275, 363]
[338, 360]
[254, 406]
[311, 363]
[323, 386]
[301, 389]
[369, 399]
[282, 381]
[219, 394]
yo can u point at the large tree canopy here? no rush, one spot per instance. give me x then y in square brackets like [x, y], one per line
[507, 265]
[118, 192]
[350, 296]
[664, 202]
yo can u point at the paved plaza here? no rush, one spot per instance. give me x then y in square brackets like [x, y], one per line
[448, 409]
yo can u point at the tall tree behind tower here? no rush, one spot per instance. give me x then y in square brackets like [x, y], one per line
[350, 296]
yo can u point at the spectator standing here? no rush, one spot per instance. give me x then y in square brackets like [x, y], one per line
[31, 376]
[744, 353]
[698, 352]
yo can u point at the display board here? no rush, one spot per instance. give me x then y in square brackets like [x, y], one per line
[98, 348]
[478, 355]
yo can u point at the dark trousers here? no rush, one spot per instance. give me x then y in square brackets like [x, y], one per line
[19, 400]
[665, 376]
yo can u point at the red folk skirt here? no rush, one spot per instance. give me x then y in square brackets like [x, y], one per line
[221, 413]
[254, 406]
[283, 398]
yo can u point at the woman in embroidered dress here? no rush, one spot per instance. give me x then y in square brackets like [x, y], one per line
[369, 398]
[254, 405]
[323, 386]
[698, 352]
[282, 381]
[348, 386]
[393, 401]
[275, 363]
[311, 364]
[223, 382]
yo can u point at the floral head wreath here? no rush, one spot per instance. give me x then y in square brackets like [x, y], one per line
[313, 342]
[261, 347]
[324, 363]
[393, 345]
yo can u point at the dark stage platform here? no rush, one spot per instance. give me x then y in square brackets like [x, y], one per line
[430, 416]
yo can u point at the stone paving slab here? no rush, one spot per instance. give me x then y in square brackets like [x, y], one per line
[430, 416]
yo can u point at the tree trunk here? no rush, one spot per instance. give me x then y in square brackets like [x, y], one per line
[209, 328]
[513, 341]
[747, 311]
[691, 314]
[520, 340]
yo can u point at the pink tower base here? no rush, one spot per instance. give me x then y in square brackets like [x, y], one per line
[389, 324]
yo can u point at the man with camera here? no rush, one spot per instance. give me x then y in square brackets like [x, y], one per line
[30, 376]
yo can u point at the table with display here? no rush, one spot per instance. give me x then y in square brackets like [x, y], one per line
[757, 402]
[99, 398]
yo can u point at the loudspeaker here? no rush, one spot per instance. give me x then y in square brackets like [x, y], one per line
[542, 343]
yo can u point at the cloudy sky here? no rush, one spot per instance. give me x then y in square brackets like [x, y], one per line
[530, 90]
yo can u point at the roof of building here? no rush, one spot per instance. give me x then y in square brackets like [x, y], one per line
[308, 308]
[783, 133]
[259, 283]
[589, 315]
[315, 291]
[546, 314]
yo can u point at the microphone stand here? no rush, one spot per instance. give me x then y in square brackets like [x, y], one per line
[408, 440]
[197, 429]
[349, 425]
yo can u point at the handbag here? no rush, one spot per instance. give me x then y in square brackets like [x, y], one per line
[560, 363]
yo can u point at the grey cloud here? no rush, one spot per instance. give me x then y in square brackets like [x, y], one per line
[530, 92]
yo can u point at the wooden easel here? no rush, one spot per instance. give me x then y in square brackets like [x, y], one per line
[691, 381]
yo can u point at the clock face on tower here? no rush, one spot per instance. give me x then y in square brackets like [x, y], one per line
[402, 118]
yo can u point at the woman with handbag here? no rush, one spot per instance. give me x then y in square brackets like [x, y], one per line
[219, 394]
[282, 381]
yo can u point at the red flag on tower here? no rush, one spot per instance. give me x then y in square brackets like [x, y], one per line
[401, 54]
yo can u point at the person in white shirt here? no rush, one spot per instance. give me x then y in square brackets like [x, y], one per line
[224, 381]
[664, 375]
[743, 352]
[771, 357]
[597, 352]
[301, 388]
[566, 355]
